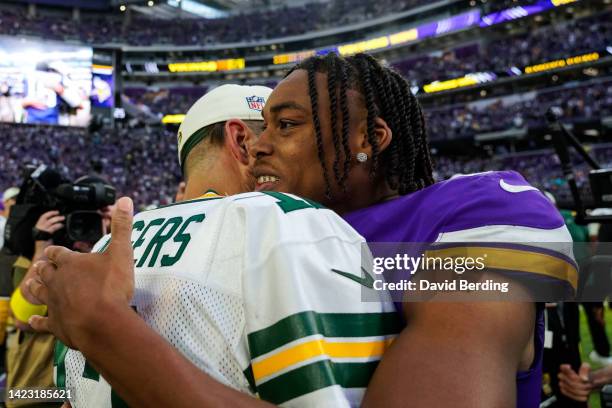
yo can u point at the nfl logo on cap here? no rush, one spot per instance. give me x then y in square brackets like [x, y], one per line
[256, 102]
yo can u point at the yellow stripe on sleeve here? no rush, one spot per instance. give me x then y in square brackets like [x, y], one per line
[320, 347]
[515, 260]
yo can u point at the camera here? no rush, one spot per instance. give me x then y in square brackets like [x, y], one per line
[44, 189]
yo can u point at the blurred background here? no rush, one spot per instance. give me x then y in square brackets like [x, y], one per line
[100, 85]
[98, 88]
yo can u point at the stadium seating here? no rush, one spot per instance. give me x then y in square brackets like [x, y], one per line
[150, 153]
[537, 44]
[587, 102]
[251, 26]
[139, 162]
[142, 163]
[583, 103]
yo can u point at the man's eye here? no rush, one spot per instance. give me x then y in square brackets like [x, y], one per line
[283, 124]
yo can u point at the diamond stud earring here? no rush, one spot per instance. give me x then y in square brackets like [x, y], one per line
[362, 157]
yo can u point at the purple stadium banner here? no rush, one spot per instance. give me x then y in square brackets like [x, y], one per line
[448, 25]
[517, 12]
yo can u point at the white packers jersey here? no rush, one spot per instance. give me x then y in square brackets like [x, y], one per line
[262, 291]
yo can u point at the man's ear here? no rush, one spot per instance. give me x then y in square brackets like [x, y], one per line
[237, 136]
[382, 133]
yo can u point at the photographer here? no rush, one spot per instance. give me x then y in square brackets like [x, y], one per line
[49, 211]
[30, 355]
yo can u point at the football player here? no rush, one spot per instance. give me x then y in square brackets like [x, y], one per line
[376, 170]
[348, 132]
[251, 288]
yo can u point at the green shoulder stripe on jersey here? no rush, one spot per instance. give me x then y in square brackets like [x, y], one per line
[197, 200]
[289, 204]
[59, 360]
[309, 323]
[315, 376]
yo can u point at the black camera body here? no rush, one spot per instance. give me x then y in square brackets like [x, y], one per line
[601, 186]
[43, 190]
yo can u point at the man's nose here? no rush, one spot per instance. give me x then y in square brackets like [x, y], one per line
[260, 146]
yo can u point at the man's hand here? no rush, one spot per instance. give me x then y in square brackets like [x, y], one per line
[576, 386]
[81, 289]
[50, 222]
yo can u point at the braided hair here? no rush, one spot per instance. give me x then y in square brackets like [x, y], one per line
[407, 161]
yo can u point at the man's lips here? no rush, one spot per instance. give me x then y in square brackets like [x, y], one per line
[266, 182]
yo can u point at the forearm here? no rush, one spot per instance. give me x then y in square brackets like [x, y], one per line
[145, 370]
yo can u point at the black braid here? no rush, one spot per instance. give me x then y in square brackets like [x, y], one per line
[427, 168]
[372, 113]
[383, 83]
[408, 169]
[314, 103]
[406, 163]
[333, 106]
[344, 81]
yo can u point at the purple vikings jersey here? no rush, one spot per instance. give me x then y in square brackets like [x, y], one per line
[495, 207]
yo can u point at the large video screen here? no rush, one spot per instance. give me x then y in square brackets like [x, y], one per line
[44, 82]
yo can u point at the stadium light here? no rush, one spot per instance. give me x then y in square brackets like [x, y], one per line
[122, 7]
[150, 3]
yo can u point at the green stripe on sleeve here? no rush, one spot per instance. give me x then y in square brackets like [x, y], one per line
[90, 372]
[315, 376]
[327, 324]
[105, 246]
[116, 401]
[248, 373]
[59, 360]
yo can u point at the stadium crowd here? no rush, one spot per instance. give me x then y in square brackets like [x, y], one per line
[259, 24]
[535, 45]
[249, 26]
[125, 158]
[139, 162]
[582, 103]
[165, 101]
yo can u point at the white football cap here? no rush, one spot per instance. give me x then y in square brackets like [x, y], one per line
[222, 103]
